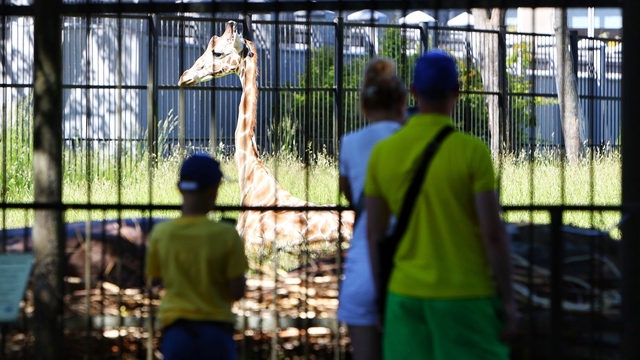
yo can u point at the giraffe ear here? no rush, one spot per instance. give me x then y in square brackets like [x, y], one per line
[212, 42]
[239, 43]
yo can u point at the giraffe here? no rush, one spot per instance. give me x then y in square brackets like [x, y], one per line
[231, 54]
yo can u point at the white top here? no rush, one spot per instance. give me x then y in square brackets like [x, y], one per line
[357, 292]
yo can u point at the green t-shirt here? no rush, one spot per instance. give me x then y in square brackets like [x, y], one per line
[195, 258]
[441, 254]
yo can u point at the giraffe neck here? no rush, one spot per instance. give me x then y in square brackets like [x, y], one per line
[258, 186]
[246, 150]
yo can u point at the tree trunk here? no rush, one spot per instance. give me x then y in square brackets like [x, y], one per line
[47, 168]
[567, 88]
[487, 51]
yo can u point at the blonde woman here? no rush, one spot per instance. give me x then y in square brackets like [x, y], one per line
[383, 102]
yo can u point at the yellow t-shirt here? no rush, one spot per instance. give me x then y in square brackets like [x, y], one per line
[195, 258]
[441, 254]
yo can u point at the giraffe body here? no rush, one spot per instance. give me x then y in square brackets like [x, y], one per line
[231, 54]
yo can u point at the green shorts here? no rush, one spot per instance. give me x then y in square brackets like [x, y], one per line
[436, 329]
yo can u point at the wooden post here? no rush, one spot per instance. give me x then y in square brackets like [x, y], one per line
[48, 230]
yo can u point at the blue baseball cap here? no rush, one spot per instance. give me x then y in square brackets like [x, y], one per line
[435, 75]
[199, 172]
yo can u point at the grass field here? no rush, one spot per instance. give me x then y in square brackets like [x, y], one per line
[596, 180]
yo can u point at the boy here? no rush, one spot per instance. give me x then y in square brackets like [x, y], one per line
[201, 264]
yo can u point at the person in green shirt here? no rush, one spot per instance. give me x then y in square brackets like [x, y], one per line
[450, 294]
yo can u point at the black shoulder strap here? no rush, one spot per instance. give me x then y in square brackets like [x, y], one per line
[411, 195]
[359, 208]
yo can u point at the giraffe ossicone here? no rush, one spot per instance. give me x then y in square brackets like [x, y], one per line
[229, 54]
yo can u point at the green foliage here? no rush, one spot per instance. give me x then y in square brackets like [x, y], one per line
[471, 113]
[315, 108]
[165, 129]
[526, 179]
[521, 53]
[17, 160]
[404, 51]
[283, 136]
[522, 105]
[542, 179]
[321, 77]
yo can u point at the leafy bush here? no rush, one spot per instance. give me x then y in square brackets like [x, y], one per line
[315, 107]
[16, 160]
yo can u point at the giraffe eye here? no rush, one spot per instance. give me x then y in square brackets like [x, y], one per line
[217, 54]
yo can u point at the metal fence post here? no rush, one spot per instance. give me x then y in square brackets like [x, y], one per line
[339, 130]
[503, 91]
[275, 81]
[152, 91]
[338, 102]
[630, 180]
[181, 101]
[436, 36]
[424, 36]
[557, 293]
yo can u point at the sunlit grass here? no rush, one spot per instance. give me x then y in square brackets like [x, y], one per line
[138, 183]
[542, 180]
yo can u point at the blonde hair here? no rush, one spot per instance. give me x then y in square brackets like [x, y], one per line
[382, 88]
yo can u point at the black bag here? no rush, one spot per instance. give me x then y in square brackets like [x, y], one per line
[388, 245]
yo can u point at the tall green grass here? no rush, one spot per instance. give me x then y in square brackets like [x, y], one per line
[97, 177]
[98, 181]
[595, 180]
[543, 180]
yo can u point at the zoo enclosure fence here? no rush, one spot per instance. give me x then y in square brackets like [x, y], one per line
[125, 338]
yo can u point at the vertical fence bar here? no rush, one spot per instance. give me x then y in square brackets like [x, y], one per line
[339, 129]
[630, 180]
[48, 232]
[339, 126]
[424, 36]
[503, 92]
[591, 92]
[4, 89]
[88, 249]
[277, 54]
[152, 91]
[181, 100]
[119, 248]
[557, 261]
[3, 340]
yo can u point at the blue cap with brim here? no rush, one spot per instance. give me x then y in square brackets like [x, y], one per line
[435, 75]
[199, 172]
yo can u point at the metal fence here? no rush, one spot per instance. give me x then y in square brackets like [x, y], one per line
[122, 106]
[567, 281]
[121, 93]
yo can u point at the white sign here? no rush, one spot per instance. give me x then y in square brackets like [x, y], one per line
[14, 274]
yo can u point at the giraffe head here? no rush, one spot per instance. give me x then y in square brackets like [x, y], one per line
[223, 56]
